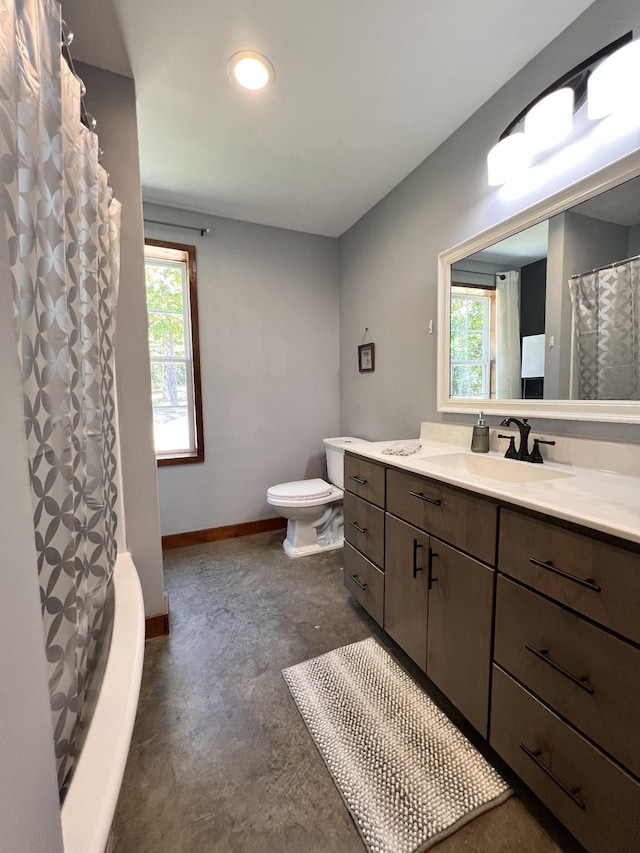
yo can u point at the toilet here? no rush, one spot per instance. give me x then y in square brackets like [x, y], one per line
[313, 508]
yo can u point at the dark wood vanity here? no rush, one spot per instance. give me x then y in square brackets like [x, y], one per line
[530, 626]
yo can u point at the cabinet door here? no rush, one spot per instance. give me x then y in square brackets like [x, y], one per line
[405, 588]
[459, 637]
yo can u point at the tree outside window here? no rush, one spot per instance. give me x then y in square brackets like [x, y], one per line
[170, 272]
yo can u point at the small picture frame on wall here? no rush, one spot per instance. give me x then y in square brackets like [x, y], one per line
[366, 358]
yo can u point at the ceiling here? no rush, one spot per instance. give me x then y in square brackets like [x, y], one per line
[364, 91]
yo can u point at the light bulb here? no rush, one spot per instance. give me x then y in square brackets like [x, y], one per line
[508, 159]
[250, 70]
[613, 86]
[550, 120]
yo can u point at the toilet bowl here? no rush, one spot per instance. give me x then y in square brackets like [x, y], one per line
[313, 508]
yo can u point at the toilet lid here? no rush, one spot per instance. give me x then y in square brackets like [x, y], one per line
[300, 490]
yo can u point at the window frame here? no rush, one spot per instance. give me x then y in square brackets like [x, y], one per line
[196, 455]
[464, 290]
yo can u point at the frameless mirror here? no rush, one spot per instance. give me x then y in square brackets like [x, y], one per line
[542, 313]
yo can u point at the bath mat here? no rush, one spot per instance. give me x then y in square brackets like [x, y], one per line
[407, 775]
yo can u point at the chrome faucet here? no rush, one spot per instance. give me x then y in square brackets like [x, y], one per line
[522, 452]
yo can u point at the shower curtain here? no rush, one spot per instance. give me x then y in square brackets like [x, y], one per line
[62, 228]
[606, 315]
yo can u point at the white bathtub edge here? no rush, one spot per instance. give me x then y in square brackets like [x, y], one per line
[90, 804]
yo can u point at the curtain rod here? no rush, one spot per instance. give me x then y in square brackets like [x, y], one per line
[202, 231]
[472, 272]
[606, 266]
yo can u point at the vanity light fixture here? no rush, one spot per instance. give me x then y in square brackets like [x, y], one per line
[611, 77]
[250, 69]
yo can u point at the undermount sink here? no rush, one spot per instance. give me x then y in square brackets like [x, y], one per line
[496, 468]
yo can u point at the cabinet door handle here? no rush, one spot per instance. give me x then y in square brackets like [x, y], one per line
[570, 792]
[430, 578]
[357, 527]
[589, 583]
[358, 480]
[543, 654]
[416, 569]
[422, 497]
[362, 586]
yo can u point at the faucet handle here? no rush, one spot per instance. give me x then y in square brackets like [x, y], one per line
[536, 456]
[511, 453]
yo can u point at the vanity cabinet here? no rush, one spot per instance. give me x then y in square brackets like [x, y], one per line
[536, 640]
[363, 505]
[565, 691]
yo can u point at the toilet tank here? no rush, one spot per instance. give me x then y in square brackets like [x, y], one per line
[335, 448]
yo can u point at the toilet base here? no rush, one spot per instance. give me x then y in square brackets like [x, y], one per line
[305, 550]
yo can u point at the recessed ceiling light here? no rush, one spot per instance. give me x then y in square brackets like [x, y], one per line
[250, 70]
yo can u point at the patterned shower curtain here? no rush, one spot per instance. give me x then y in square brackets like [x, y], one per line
[62, 228]
[606, 313]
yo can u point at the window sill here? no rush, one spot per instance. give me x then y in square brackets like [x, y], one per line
[180, 459]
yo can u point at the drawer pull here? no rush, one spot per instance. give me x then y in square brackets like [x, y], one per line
[570, 792]
[430, 578]
[543, 654]
[357, 527]
[358, 480]
[362, 586]
[416, 568]
[589, 583]
[422, 497]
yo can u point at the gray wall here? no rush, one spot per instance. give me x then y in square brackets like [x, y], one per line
[268, 306]
[388, 260]
[111, 100]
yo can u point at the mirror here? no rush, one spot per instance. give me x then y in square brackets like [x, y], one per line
[542, 313]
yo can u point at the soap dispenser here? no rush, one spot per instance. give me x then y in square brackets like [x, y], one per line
[480, 437]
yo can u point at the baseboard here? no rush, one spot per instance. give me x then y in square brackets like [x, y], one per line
[214, 534]
[157, 625]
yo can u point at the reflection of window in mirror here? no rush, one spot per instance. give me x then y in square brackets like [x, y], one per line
[472, 357]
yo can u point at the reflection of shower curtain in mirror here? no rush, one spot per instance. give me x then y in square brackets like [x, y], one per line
[606, 314]
[508, 380]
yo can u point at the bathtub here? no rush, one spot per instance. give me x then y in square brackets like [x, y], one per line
[89, 806]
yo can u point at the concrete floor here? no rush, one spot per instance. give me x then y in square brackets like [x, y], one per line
[221, 761]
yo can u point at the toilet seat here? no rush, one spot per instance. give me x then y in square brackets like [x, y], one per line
[300, 491]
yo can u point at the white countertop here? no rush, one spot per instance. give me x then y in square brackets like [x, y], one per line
[603, 500]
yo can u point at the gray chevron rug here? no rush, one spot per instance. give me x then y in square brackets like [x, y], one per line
[407, 775]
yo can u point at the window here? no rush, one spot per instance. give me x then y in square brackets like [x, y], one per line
[170, 271]
[471, 342]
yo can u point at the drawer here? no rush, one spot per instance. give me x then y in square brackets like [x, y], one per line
[588, 676]
[364, 527]
[365, 582]
[364, 478]
[464, 520]
[595, 799]
[599, 580]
